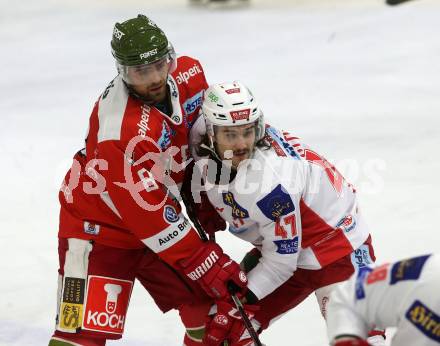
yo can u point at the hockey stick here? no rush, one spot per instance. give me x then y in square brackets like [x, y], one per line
[192, 216]
[247, 323]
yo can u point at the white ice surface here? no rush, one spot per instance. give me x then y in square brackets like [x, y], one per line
[357, 80]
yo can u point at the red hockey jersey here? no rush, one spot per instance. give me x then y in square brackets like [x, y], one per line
[119, 191]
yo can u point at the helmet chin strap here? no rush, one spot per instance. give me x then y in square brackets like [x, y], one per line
[211, 149]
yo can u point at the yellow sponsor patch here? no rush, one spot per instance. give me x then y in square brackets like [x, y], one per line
[72, 304]
[425, 320]
[71, 316]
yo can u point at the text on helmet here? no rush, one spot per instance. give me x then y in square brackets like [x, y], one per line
[117, 33]
[213, 97]
[148, 54]
[232, 91]
[241, 114]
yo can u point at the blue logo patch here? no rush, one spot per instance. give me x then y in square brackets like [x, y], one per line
[287, 246]
[409, 269]
[192, 103]
[276, 204]
[273, 133]
[170, 214]
[164, 140]
[424, 319]
[360, 257]
[237, 210]
[360, 279]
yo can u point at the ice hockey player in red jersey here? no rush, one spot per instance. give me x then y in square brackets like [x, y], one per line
[120, 219]
[283, 197]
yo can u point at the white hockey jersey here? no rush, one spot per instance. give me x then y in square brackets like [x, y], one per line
[290, 203]
[403, 294]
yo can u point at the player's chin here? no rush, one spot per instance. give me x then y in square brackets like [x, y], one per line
[157, 96]
[161, 93]
[236, 160]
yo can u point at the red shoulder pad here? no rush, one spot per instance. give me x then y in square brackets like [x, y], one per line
[189, 72]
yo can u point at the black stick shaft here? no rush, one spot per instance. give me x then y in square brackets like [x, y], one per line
[246, 321]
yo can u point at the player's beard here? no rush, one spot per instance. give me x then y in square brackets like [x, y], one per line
[239, 156]
[153, 94]
[156, 94]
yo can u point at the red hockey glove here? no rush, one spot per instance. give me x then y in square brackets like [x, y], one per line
[351, 342]
[227, 325]
[215, 271]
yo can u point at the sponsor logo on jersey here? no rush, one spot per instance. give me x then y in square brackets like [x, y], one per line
[148, 54]
[91, 228]
[143, 123]
[241, 114]
[170, 214]
[204, 267]
[323, 304]
[117, 33]
[71, 307]
[107, 303]
[232, 91]
[276, 204]
[425, 320]
[175, 118]
[409, 269]
[192, 103]
[237, 210]
[287, 246]
[189, 120]
[361, 257]
[173, 86]
[272, 132]
[347, 224]
[107, 89]
[184, 77]
[176, 234]
[164, 140]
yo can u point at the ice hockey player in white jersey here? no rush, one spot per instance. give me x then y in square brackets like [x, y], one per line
[404, 294]
[275, 192]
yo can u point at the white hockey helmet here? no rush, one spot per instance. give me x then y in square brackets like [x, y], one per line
[231, 104]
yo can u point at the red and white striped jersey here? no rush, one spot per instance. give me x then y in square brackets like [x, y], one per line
[119, 191]
[292, 204]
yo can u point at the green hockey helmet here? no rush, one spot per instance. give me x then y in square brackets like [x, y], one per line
[140, 47]
[139, 41]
